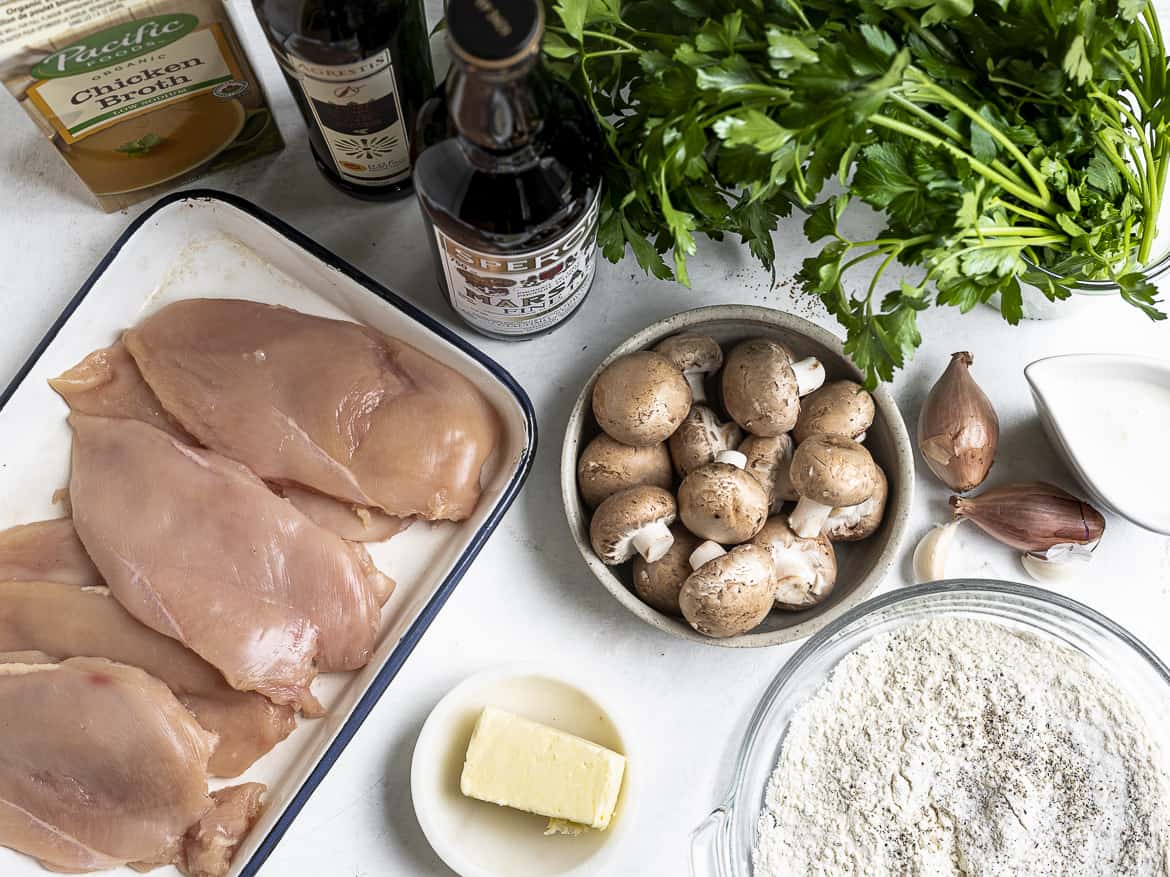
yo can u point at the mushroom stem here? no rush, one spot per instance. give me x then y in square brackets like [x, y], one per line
[810, 374]
[738, 459]
[808, 518]
[860, 438]
[653, 541]
[696, 383]
[705, 553]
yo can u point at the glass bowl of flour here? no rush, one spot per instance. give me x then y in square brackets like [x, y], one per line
[975, 728]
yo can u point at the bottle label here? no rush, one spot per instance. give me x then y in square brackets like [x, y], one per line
[521, 293]
[358, 110]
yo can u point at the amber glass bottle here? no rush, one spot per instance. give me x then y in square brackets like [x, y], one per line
[359, 70]
[508, 173]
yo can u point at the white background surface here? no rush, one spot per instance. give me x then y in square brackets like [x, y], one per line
[529, 596]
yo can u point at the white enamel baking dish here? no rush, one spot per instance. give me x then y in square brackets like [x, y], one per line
[208, 244]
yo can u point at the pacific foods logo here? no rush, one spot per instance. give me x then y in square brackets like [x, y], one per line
[115, 44]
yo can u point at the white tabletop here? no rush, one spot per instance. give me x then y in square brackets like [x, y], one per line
[529, 596]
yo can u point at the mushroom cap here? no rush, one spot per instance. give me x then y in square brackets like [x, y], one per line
[759, 387]
[699, 438]
[806, 569]
[731, 594]
[837, 408]
[833, 470]
[769, 459]
[658, 583]
[692, 352]
[641, 398]
[622, 515]
[723, 503]
[607, 466]
[852, 523]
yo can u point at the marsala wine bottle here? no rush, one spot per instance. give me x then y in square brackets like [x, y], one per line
[508, 175]
[359, 70]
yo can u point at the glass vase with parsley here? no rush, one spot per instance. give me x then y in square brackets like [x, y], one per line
[1008, 145]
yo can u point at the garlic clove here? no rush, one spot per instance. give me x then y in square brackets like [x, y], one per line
[1049, 571]
[958, 429]
[932, 552]
[1033, 516]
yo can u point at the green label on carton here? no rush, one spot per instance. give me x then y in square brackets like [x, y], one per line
[115, 45]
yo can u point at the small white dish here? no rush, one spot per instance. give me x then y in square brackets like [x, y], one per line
[477, 839]
[1108, 415]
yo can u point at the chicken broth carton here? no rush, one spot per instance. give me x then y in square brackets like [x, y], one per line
[135, 94]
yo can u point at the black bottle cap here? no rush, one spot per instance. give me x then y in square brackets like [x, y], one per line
[494, 33]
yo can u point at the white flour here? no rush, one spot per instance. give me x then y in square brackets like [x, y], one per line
[961, 747]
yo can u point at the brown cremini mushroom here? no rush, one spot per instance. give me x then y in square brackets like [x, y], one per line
[699, 438]
[729, 593]
[828, 471]
[722, 502]
[852, 523]
[806, 569]
[634, 521]
[769, 461]
[837, 408]
[696, 356]
[760, 390]
[607, 466]
[659, 583]
[640, 399]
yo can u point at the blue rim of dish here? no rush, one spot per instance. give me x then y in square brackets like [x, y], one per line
[879, 604]
[420, 624]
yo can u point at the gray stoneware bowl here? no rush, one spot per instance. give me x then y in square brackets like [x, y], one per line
[861, 565]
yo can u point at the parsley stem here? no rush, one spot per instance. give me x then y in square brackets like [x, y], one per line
[949, 131]
[1025, 212]
[1002, 139]
[597, 35]
[1041, 203]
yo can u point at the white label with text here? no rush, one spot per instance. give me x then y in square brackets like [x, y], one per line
[521, 293]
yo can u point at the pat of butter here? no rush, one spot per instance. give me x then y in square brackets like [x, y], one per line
[515, 762]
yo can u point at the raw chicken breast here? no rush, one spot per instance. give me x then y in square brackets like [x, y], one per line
[46, 551]
[354, 522]
[108, 383]
[325, 404]
[66, 621]
[210, 844]
[195, 546]
[101, 766]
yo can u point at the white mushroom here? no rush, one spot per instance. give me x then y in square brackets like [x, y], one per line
[760, 389]
[837, 408]
[636, 520]
[728, 593]
[640, 399]
[856, 522]
[806, 569]
[607, 466]
[696, 356]
[722, 502]
[699, 438]
[659, 583]
[828, 471]
[769, 460]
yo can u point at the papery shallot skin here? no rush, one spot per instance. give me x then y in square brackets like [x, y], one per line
[100, 766]
[326, 404]
[46, 551]
[195, 546]
[66, 621]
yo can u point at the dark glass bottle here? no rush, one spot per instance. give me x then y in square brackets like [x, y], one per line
[508, 173]
[359, 70]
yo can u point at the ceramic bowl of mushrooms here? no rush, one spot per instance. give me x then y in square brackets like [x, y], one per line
[728, 479]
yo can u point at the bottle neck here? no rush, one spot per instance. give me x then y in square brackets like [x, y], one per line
[498, 113]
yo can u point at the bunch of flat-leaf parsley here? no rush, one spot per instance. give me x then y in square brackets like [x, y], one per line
[1005, 142]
